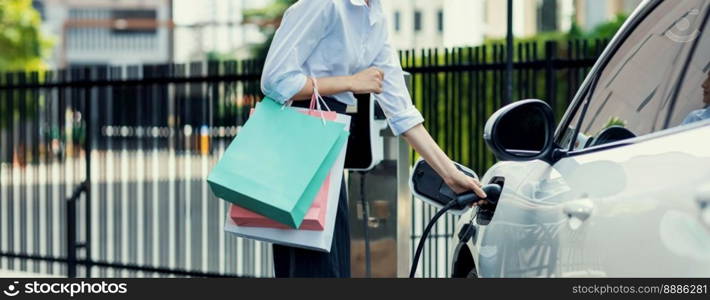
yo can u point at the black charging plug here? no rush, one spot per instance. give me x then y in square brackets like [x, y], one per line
[492, 192]
[462, 201]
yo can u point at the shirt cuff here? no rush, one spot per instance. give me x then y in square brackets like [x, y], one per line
[405, 120]
[286, 87]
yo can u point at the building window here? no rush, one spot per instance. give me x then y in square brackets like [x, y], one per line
[547, 16]
[397, 21]
[440, 20]
[134, 21]
[485, 11]
[417, 21]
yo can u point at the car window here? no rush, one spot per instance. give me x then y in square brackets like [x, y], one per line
[633, 90]
[692, 104]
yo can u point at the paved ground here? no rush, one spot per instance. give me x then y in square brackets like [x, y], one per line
[16, 274]
[148, 208]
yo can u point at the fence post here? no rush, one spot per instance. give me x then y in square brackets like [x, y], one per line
[550, 70]
[88, 139]
[71, 234]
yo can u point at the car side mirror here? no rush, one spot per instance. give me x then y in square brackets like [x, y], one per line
[521, 131]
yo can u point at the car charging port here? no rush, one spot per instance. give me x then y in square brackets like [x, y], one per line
[486, 211]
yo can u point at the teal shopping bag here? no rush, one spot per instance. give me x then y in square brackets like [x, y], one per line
[278, 162]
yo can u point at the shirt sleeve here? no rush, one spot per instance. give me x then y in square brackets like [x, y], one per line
[395, 100]
[693, 116]
[303, 26]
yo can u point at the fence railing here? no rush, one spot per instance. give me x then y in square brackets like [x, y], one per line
[146, 136]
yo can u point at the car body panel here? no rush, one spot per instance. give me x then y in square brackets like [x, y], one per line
[643, 222]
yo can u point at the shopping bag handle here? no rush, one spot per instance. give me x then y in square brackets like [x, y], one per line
[316, 100]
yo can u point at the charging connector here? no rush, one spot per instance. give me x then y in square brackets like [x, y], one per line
[460, 202]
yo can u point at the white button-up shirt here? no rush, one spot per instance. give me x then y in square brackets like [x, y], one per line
[325, 38]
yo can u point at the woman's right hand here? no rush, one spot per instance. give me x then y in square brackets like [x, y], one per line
[367, 81]
[461, 183]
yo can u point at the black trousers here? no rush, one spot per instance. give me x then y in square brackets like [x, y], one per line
[297, 262]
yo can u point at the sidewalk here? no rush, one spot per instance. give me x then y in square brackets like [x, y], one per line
[20, 274]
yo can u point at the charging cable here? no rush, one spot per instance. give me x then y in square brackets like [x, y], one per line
[461, 202]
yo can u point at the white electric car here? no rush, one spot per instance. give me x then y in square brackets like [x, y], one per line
[621, 187]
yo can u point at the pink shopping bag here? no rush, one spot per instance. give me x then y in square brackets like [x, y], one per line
[315, 217]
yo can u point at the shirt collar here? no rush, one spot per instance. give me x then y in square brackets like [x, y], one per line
[374, 9]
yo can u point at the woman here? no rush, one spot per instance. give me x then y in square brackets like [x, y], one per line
[341, 47]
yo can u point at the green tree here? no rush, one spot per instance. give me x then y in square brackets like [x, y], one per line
[22, 43]
[268, 19]
[604, 30]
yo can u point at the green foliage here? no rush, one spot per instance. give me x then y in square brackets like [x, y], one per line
[268, 19]
[22, 47]
[22, 44]
[602, 32]
[606, 30]
[219, 56]
[615, 121]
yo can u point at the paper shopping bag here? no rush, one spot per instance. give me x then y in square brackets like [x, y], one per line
[315, 217]
[278, 162]
[308, 239]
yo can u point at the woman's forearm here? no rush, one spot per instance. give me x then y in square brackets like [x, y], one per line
[363, 82]
[418, 137]
[326, 86]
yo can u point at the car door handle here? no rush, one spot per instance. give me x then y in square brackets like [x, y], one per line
[580, 209]
[702, 196]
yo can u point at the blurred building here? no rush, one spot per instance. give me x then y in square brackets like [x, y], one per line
[121, 32]
[214, 27]
[101, 32]
[451, 23]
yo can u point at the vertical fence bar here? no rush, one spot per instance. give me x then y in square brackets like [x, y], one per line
[23, 166]
[550, 75]
[13, 223]
[519, 59]
[4, 113]
[88, 139]
[71, 237]
[535, 57]
[482, 60]
[33, 201]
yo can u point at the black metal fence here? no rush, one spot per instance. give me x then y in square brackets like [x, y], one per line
[102, 169]
[146, 137]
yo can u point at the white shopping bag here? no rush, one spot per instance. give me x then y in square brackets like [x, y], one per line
[308, 239]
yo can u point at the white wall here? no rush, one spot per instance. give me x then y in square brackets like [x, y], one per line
[463, 23]
[194, 37]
